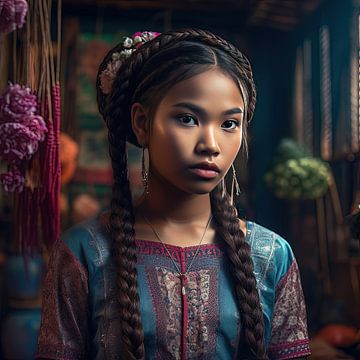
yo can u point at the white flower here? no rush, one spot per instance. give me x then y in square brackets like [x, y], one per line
[138, 40]
[127, 43]
[116, 56]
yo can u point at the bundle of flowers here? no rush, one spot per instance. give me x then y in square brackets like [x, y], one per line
[295, 175]
[130, 44]
[21, 130]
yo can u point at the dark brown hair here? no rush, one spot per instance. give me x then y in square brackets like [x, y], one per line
[145, 77]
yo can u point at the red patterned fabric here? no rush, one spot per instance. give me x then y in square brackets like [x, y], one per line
[81, 317]
[289, 337]
[202, 315]
[64, 335]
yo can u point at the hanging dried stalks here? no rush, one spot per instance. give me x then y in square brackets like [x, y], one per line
[34, 65]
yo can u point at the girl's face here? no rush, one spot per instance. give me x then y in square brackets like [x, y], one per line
[196, 132]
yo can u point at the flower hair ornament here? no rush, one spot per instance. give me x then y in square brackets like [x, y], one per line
[130, 44]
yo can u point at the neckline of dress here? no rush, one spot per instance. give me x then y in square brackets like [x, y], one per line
[145, 242]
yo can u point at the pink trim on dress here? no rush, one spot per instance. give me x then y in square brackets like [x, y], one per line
[149, 247]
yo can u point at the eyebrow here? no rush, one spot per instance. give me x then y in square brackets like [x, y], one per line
[200, 111]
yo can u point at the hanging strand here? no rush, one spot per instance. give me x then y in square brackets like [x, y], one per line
[14, 56]
[58, 51]
[326, 103]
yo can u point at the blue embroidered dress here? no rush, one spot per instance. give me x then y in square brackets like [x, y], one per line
[79, 306]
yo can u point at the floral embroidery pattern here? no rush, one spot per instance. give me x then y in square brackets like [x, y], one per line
[202, 318]
[170, 288]
[198, 326]
[64, 330]
[288, 327]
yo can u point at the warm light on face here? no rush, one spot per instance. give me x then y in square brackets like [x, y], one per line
[196, 132]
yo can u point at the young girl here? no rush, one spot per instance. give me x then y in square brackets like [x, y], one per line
[176, 274]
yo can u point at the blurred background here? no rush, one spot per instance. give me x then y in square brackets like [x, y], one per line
[302, 177]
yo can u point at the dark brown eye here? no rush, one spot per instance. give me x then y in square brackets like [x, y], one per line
[188, 120]
[231, 124]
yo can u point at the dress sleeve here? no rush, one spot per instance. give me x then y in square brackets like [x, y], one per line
[65, 312]
[289, 336]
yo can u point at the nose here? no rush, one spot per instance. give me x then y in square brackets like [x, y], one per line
[207, 143]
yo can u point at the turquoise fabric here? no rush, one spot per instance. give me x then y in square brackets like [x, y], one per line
[272, 257]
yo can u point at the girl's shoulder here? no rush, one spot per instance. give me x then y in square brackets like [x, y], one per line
[89, 242]
[271, 253]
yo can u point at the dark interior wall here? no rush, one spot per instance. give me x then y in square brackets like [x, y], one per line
[272, 54]
[267, 52]
[272, 61]
[298, 221]
[273, 57]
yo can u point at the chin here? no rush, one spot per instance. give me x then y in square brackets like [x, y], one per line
[202, 190]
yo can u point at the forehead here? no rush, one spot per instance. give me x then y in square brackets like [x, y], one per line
[211, 89]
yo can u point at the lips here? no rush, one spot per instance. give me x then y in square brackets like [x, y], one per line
[206, 166]
[205, 170]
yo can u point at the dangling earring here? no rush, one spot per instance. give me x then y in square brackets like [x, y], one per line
[234, 184]
[223, 187]
[144, 173]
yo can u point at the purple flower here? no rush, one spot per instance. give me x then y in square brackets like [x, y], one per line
[12, 14]
[13, 180]
[36, 124]
[17, 142]
[21, 8]
[16, 102]
[7, 16]
[20, 129]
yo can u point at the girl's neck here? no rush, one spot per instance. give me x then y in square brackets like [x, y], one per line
[174, 208]
[167, 202]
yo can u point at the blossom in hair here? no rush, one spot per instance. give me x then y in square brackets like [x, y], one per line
[130, 44]
[13, 181]
[12, 14]
[145, 35]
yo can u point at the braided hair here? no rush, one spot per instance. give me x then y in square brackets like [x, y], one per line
[145, 77]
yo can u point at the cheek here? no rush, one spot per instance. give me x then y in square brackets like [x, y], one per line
[231, 145]
[168, 147]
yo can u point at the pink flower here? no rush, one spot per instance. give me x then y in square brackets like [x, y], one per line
[13, 180]
[21, 8]
[137, 33]
[16, 102]
[36, 124]
[12, 14]
[20, 129]
[140, 38]
[7, 16]
[17, 142]
[146, 35]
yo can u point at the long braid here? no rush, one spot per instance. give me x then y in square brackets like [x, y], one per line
[238, 252]
[122, 230]
[115, 109]
[124, 250]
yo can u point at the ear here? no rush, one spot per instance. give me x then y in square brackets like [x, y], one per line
[140, 123]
